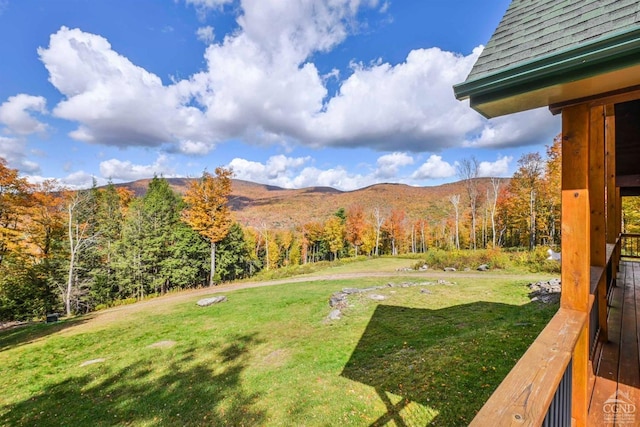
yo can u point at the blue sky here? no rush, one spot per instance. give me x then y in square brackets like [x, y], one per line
[294, 93]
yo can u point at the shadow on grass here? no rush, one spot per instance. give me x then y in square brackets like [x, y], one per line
[438, 367]
[185, 394]
[23, 334]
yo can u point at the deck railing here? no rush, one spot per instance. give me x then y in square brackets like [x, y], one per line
[538, 389]
[630, 246]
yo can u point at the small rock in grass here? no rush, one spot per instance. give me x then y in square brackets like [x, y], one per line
[209, 301]
[334, 315]
[162, 344]
[483, 267]
[377, 297]
[91, 362]
[450, 269]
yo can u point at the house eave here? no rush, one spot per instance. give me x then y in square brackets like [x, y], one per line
[604, 65]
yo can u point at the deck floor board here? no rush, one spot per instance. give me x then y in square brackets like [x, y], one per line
[617, 362]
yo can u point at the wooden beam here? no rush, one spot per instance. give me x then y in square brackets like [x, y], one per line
[576, 233]
[597, 186]
[614, 212]
[597, 190]
[627, 181]
[576, 267]
[613, 97]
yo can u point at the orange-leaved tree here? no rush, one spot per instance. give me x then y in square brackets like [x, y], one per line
[207, 209]
[14, 198]
[355, 226]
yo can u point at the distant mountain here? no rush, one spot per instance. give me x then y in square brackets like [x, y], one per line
[257, 204]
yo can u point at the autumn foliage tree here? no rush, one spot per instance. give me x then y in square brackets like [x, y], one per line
[395, 228]
[14, 193]
[207, 209]
[334, 232]
[355, 226]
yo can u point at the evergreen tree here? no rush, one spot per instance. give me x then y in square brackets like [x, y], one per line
[234, 259]
[160, 215]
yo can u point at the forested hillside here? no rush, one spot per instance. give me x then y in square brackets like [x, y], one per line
[75, 251]
[259, 205]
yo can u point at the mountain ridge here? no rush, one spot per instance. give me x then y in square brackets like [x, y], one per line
[264, 205]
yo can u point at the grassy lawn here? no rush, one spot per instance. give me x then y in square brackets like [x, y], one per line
[268, 356]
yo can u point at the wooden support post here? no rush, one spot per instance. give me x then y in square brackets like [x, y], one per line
[618, 219]
[597, 186]
[576, 230]
[612, 211]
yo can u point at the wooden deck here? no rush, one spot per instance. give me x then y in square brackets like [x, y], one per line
[615, 397]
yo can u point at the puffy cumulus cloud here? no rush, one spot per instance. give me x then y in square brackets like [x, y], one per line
[193, 147]
[408, 106]
[495, 169]
[434, 168]
[114, 101]
[126, 171]
[291, 172]
[205, 34]
[15, 114]
[277, 170]
[74, 181]
[520, 129]
[80, 179]
[299, 28]
[389, 164]
[13, 150]
[337, 177]
[260, 85]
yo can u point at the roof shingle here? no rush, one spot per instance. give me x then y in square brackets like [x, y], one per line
[533, 29]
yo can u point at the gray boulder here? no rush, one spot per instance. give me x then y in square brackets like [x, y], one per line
[205, 302]
[483, 267]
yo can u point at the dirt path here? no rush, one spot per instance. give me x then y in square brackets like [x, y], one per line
[404, 275]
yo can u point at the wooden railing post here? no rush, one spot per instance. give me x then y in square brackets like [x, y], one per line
[613, 214]
[597, 187]
[614, 201]
[576, 230]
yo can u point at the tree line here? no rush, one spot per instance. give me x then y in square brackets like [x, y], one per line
[76, 251]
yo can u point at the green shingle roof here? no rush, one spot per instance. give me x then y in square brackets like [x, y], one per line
[535, 28]
[548, 52]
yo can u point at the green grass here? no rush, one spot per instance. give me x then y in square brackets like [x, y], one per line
[268, 356]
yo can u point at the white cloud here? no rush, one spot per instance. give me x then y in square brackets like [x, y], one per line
[290, 172]
[389, 164]
[337, 177]
[74, 181]
[408, 106]
[114, 101]
[126, 171]
[495, 169]
[434, 168]
[278, 170]
[194, 147]
[13, 151]
[526, 128]
[15, 114]
[260, 86]
[205, 34]
[204, 6]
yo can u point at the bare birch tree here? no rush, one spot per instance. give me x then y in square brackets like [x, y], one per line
[379, 220]
[468, 171]
[455, 201]
[80, 234]
[495, 184]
